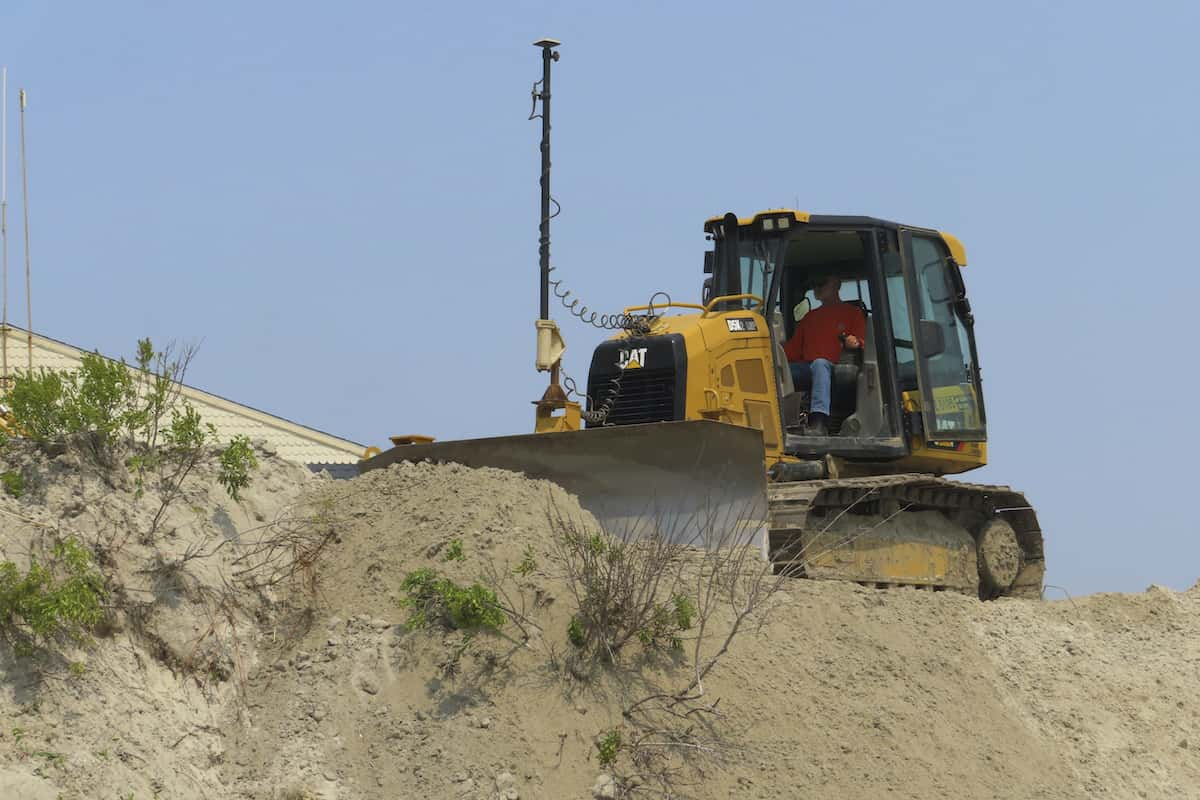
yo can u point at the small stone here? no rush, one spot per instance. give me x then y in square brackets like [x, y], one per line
[380, 624]
[581, 709]
[333, 623]
[369, 686]
[421, 715]
[468, 785]
[505, 780]
[1183, 743]
[511, 794]
[485, 723]
[605, 787]
[332, 642]
[317, 713]
[459, 777]
[73, 509]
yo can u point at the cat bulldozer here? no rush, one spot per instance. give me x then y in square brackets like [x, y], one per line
[693, 423]
[692, 409]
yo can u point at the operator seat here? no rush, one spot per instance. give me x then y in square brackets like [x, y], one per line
[843, 396]
[845, 371]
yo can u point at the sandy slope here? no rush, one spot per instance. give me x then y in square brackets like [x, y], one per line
[145, 718]
[842, 692]
[845, 692]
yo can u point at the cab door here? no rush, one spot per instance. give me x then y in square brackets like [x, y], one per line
[943, 341]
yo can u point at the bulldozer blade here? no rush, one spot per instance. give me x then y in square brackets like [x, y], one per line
[699, 482]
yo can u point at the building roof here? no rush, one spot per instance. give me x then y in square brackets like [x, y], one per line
[290, 439]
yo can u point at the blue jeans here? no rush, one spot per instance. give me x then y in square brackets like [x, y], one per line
[817, 375]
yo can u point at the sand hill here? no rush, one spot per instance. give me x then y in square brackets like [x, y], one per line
[223, 677]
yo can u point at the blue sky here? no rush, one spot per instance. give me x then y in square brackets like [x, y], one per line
[339, 202]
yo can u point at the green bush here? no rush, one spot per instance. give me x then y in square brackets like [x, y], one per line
[36, 401]
[62, 599]
[454, 551]
[608, 746]
[100, 399]
[186, 433]
[14, 483]
[624, 590]
[237, 461]
[438, 600]
[528, 562]
[104, 398]
[667, 621]
[575, 634]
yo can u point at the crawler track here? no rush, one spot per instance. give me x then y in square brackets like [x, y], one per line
[907, 530]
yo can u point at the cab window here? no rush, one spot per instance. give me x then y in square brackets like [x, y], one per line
[944, 344]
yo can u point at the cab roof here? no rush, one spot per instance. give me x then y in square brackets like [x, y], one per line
[957, 251]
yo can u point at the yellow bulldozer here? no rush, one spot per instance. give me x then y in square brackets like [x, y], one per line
[692, 407]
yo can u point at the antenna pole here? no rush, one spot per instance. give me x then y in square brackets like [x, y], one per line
[549, 54]
[550, 345]
[25, 204]
[4, 218]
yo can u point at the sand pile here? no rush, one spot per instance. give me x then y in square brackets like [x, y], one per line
[842, 692]
[143, 711]
[846, 692]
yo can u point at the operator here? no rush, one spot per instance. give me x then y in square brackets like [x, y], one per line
[816, 345]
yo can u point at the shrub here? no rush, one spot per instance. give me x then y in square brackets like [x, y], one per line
[62, 599]
[623, 590]
[608, 745]
[237, 461]
[14, 483]
[667, 621]
[99, 399]
[575, 632]
[106, 399]
[454, 551]
[187, 434]
[438, 600]
[36, 400]
[528, 562]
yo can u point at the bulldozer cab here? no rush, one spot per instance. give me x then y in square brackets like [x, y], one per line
[914, 383]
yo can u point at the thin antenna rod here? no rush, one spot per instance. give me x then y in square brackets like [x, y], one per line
[548, 55]
[25, 203]
[4, 217]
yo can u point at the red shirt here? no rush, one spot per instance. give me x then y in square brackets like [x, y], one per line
[818, 332]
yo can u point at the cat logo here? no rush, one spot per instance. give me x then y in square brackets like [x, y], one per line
[632, 359]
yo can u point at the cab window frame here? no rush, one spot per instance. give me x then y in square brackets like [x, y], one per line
[955, 302]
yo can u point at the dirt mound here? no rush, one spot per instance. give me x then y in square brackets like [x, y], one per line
[845, 691]
[140, 714]
[842, 691]
[361, 707]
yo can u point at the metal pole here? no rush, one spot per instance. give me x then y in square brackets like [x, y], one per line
[548, 54]
[4, 217]
[25, 205]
